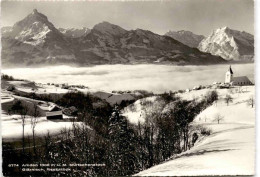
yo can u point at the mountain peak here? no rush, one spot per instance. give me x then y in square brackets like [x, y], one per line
[225, 28]
[35, 16]
[108, 28]
[103, 25]
[35, 11]
[229, 44]
[33, 29]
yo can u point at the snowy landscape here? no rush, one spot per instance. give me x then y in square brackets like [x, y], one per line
[166, 91]
[231, 138]
[231, 143]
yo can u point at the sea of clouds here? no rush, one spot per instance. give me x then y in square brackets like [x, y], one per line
[156, 78]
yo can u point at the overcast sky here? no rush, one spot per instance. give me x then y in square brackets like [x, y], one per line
[198, 16]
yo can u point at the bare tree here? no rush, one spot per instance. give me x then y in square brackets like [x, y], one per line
[23, 114]
[251, 101]
[22, 110]
[218, 117]
[228, 99]
[239, 91]
[29, 143]
[34, 121]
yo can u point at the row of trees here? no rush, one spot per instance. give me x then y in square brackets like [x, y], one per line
[7, 77]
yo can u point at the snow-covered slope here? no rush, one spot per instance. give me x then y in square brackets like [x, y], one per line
[34, 29]
[229, 44]
[228, 150]
[186, 37]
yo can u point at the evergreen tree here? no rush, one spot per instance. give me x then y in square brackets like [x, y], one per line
[122, 153]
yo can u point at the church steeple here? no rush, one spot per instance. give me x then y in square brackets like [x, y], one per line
[229, 75]
[230, 70]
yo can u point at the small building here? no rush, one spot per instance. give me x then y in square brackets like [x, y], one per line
[236, 81]
[54, 113]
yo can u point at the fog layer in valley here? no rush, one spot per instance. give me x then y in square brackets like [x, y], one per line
[156, 78]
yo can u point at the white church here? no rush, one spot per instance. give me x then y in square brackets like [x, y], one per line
[242, 80]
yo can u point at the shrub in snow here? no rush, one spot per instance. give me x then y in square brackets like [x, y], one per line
[251, 101]
[228, 99]
[205, 131]
[211, 96]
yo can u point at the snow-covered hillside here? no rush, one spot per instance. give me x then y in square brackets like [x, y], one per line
[228, 150]
[186, 37]
[229, 44]
[38, 88]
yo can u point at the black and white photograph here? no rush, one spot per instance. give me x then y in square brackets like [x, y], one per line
[128, 88]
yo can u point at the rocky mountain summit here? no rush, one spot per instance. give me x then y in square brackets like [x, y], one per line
[229, 44]
[34, 40]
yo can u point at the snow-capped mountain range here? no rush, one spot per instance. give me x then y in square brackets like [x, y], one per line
[36, 41]
[229, 44]
[186, 37]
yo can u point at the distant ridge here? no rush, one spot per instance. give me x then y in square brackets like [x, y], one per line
[36, 41]
[186, 37]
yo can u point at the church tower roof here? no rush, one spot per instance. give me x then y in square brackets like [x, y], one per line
[230, 70]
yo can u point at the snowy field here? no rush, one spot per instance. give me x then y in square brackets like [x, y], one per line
[155, 78]
[229, 150]
[12, 124]
[12, 127]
